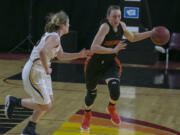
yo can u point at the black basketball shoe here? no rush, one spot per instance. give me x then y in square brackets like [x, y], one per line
[29, 130]
[9, 106]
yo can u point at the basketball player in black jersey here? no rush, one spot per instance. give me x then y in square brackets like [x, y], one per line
[107, 43]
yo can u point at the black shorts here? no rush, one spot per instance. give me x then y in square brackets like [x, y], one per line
[98, 68]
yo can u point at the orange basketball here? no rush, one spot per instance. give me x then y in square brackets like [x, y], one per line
[160, 35]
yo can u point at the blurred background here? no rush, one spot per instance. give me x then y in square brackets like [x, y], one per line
[24, 20]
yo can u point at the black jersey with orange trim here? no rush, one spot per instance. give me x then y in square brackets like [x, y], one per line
[102, 62]
[110, 41]
[112, 38]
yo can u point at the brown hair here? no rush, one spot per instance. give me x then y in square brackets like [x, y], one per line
[55, 20]
[112, 7]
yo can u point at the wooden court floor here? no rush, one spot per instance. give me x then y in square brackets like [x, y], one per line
[144, 111]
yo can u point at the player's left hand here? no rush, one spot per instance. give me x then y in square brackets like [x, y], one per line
[83, 53]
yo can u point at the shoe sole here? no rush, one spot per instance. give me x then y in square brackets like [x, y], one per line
[112, 120]
[25, 134]
[85, 130]
[6, 105]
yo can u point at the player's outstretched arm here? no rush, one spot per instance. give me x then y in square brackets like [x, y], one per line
[71, 56]
[133, 37]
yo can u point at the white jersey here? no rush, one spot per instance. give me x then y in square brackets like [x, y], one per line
[36, 82]
[51, 54]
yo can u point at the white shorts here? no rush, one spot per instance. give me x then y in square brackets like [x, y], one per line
[36, 82]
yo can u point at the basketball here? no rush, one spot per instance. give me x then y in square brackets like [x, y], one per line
[160, 35]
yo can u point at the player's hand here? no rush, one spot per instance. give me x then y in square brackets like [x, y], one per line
[48, 71]
[83, 53]
[120, 46]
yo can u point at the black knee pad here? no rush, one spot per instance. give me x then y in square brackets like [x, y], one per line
[90, 97]
[114, 89]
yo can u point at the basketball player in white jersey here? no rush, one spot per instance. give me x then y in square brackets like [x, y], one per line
[36, 72]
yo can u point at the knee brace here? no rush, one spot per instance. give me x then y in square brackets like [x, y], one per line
[114, 89]
[90, 97]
